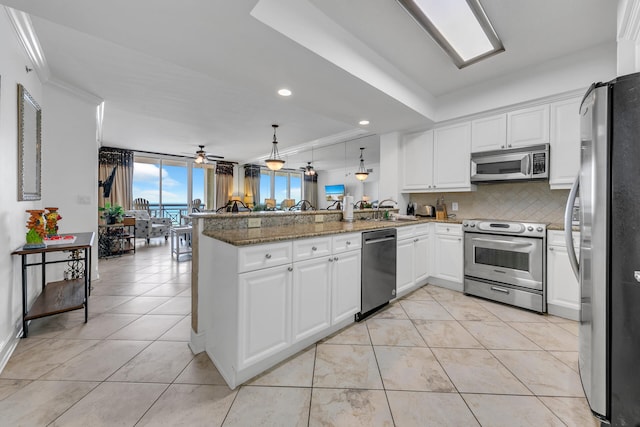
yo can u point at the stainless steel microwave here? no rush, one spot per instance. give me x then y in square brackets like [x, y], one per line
[527, 163]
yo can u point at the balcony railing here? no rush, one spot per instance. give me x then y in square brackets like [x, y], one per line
[175, 211]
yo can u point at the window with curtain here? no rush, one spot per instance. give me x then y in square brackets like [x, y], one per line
[280, 185]
[115, 173]
[224, 183]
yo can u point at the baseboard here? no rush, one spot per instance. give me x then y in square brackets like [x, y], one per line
[454, 286]
[9, 345]
[197, 343]
[564, 312]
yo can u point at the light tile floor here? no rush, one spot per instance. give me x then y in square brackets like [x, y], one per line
[434, 358]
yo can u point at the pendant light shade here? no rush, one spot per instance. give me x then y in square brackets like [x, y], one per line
[274, 162]
[309, 170]
[362, 173]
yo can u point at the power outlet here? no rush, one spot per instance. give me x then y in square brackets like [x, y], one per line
[454, 206]
[319, 218]
[254, 222]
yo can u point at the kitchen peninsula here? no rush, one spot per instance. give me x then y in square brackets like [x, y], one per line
[267, 285]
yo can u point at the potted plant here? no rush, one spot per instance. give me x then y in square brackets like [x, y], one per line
[111, 214]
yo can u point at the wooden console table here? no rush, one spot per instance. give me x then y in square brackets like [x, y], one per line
[61, 296]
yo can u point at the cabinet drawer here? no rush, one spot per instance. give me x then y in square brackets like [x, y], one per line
[311, 248]
[556, 238]
[422, 229]
[347, 242]
[263, 256]
[451, 229]
[405, 232]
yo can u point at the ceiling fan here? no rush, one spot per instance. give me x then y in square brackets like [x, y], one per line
[202, 156]
[308, 170]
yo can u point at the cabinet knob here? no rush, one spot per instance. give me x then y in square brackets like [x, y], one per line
[289, 268]
[429, 186]
[550, 248]
[509, 145]
[447, 229]
[416, 239]
[268, 256]
[313, 248]
[330, 259]
[335, 258]
[502, 146]
[459, 239]
[348, 242]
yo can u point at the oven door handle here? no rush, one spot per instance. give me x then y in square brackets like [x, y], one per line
[568, 219]
[502, 242]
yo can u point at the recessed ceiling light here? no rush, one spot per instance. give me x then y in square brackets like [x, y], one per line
[284, 92]
[363, 122]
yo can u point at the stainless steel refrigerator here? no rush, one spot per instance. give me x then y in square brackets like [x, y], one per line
[608, 263]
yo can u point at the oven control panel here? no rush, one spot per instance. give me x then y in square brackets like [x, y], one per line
[505, 227]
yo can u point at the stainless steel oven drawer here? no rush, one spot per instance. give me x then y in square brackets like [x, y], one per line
[505, 294]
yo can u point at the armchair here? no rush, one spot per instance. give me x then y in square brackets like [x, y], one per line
[147, 227]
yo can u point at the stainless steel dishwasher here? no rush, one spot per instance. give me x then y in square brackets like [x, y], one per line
[378, 270]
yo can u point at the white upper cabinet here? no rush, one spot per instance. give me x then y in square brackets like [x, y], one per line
[529, 126]
[489, 133]
[452, 157]
[416, 156]
[565, 143]
[437, 159]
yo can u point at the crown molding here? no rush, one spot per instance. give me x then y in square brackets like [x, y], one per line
[27, 36]
[80, 93]
[629, 20]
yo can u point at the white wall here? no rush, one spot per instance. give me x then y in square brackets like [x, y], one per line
[69, 174]
[70, 166]
[12, 212]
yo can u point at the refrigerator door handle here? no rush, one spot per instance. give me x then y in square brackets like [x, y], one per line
[568, 236]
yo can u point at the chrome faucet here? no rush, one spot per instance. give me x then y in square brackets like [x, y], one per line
[376, 214]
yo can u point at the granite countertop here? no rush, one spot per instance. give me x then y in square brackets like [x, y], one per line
[254, 236]
[556, 226]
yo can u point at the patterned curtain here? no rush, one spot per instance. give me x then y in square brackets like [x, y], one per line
[252, 182]
[115, 171]
[224, 183]
[310, 190]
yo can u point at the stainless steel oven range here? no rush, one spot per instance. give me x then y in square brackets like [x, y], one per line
[506, 261]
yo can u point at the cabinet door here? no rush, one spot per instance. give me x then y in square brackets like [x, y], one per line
[416, 158]
[565, 143]
[421, 254]
[346, 286]
[265, 313]
[311, 297]
[489, 133]
[562, 286]
[448, 257]
[452, 157]
[404, 266]
[529, 126]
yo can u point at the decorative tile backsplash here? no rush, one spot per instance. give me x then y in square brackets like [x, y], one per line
[525, 201]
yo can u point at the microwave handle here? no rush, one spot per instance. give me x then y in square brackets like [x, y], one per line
[528, 165]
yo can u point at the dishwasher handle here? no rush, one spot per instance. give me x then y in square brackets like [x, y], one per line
[379, 239]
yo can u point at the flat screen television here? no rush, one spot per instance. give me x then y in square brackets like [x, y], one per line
[334, 192]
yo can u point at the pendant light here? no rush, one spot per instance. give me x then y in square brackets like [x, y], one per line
[362, 173]
[274, 162]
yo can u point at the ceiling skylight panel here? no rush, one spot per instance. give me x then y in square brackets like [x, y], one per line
[460, 27]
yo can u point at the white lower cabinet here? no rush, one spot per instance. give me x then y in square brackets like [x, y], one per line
[448, 253]
[264, 327]
[345, 285]
[311, 297]
[563, 290]
[412, 262]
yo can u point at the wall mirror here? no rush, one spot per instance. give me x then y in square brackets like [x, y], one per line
[29, 146]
